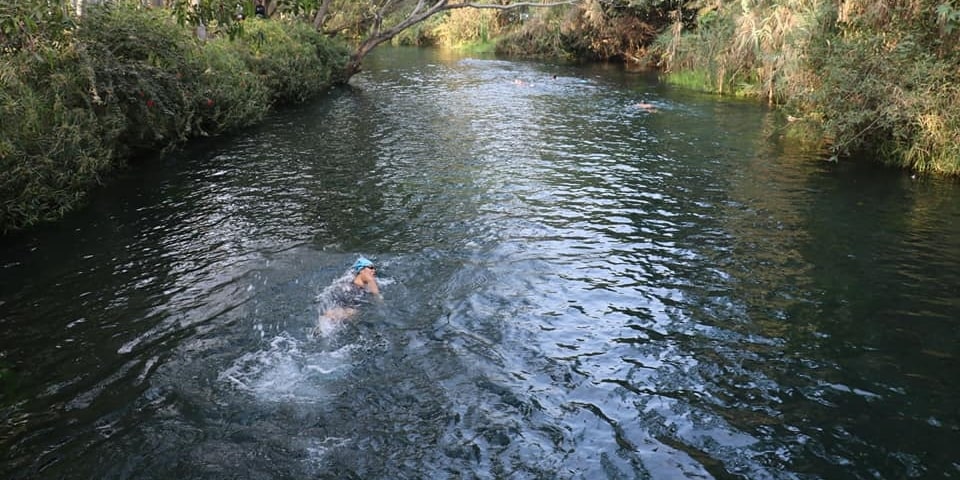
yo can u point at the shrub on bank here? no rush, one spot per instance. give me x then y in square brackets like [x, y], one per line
[53, 144]
[229, 95]
[877, 80]
[77, 99]
[291, 58]
[890, 92]
[144, 67]
[540, 36]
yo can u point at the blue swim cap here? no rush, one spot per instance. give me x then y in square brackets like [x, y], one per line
[360, 264]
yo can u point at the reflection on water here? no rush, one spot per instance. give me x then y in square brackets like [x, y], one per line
[576, 287]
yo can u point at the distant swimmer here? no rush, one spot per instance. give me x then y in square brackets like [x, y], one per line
[346, 297]
[647, 107]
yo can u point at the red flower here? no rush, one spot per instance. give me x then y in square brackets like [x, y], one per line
[150, 103]
[209, 102]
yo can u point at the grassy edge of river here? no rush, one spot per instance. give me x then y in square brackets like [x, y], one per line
[81, 97]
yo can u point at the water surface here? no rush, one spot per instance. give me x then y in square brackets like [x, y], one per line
[575, 287]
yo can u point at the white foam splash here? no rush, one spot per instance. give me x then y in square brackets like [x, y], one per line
[283, 372]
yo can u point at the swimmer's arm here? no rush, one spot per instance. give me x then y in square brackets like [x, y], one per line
[374, 289]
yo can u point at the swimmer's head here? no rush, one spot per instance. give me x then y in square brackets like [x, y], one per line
[360, 264]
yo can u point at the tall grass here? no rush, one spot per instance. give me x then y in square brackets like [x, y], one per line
[888, 86]
[541, 34]
[467, 26]
[878, 77]
[753, 48]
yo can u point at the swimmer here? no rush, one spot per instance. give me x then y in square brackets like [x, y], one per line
[647, 107]
[348, 297]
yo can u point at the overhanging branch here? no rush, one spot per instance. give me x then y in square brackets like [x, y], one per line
[511, 6]
[420, 14]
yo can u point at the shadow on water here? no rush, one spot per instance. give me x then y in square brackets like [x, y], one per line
[586, 275]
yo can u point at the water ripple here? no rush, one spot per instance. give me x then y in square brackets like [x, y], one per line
[575, 287]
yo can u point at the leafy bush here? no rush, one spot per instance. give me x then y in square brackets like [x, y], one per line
[422, 34]
[605, 31]
[42, 174]
[540, 36]
[467, 25]
[291, 58]
[229, 96]
[888, 95]
[77, 101]
[53, 145]
[144, 65]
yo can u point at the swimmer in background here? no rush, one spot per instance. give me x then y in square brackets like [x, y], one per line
[647, 107]
[347, 297]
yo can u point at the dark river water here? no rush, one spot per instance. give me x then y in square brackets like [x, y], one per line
[576, 286]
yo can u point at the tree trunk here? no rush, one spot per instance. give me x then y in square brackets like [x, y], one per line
[321, 14]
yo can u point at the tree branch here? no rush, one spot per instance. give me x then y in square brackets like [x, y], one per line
[418, 15]
[510, 6]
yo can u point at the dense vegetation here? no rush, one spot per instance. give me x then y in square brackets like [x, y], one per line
[876, 78]
[80, 94]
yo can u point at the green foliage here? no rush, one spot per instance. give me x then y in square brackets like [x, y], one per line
[229, 95]
[754, 49]
[695, 58]
[303, 9]
[214, 15]
[948, 17]
[292, 59]
[53, 145]
[889, 96]
[876, 75]
[540, 35]
[605, 30]
[27, 24]
[698, 80]
[76, 102]
[422, 34]
[467, 25]
[144, 66]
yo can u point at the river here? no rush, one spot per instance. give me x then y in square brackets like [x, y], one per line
[586, 275]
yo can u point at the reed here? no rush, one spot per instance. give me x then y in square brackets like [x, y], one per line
[540, 35]
[467, 25]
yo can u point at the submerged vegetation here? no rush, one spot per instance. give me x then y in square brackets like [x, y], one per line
[81, 94]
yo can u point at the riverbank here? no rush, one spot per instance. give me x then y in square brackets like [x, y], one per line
[83, 95]
[867, 78]
[123, 79]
